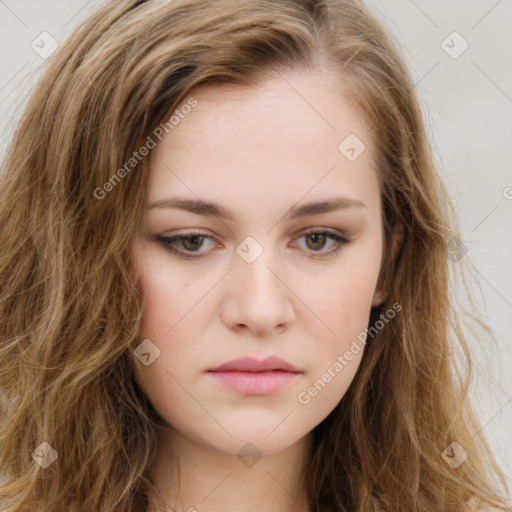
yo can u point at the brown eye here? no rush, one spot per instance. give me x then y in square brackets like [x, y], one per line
[187, 245]
[318, 240]
[190, 245]
[196, 241]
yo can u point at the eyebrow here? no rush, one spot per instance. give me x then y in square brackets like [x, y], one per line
[211, 209]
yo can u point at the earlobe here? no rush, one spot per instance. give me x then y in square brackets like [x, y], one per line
[398, 237]
[377, 299]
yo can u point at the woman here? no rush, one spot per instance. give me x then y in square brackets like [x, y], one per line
[225, 273]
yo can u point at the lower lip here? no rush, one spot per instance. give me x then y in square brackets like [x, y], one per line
[254, 383]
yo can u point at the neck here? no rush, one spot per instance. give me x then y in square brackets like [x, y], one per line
[192, 476]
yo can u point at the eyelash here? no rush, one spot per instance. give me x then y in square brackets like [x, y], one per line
[168, 242]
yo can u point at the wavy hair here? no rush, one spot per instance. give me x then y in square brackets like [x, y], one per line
[71, 306]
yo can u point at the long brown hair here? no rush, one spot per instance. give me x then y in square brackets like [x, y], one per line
[71, 307]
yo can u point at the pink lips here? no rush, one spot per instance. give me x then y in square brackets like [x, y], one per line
[250, 376]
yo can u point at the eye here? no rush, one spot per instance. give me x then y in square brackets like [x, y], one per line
[191, 242]
[316, 240]
[187, 245]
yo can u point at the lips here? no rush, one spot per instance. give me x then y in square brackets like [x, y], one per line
[250, 364]
[252, 377]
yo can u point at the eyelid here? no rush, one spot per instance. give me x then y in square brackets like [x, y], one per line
[166, 242]
[339, 237]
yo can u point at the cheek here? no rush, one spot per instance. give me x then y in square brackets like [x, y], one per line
[337, 347]
[168, 323]
[171, 320]
[342, 302]
[168, 299]
[342, 297]
[329, 383]
[168, 296]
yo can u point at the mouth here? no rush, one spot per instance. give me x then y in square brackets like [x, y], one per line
[254, 383]
[249, 376]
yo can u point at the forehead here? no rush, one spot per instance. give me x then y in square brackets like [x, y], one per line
[275, 141]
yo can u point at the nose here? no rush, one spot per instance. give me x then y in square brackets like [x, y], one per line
[258, 298]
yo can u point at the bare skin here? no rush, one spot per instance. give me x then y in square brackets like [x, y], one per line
[258, 152]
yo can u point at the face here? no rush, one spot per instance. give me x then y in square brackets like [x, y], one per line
[257, 275]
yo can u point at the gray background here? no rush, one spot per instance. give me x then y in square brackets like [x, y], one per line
[467, 103]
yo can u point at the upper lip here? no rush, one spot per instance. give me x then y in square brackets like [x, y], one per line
[250, 364]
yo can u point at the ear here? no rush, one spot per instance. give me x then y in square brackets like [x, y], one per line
[398, 237]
